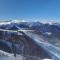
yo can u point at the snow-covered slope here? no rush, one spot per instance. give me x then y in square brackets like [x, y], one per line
[9, 56]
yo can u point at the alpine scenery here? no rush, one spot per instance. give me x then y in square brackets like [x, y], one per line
[29, 29]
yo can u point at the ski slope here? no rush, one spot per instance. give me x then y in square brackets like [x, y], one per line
[51, 49]
[9, 56]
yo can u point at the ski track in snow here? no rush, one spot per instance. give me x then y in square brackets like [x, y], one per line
[53, 50]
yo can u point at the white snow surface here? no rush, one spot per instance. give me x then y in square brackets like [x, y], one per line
[9, 56]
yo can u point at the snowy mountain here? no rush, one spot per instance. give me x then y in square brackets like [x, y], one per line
[50, 28]
[18, 40]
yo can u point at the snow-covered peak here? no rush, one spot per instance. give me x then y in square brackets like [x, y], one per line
[18, 21]
[4, 23]
[50, 22]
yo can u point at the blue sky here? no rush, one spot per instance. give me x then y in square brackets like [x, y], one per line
[30, 9]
